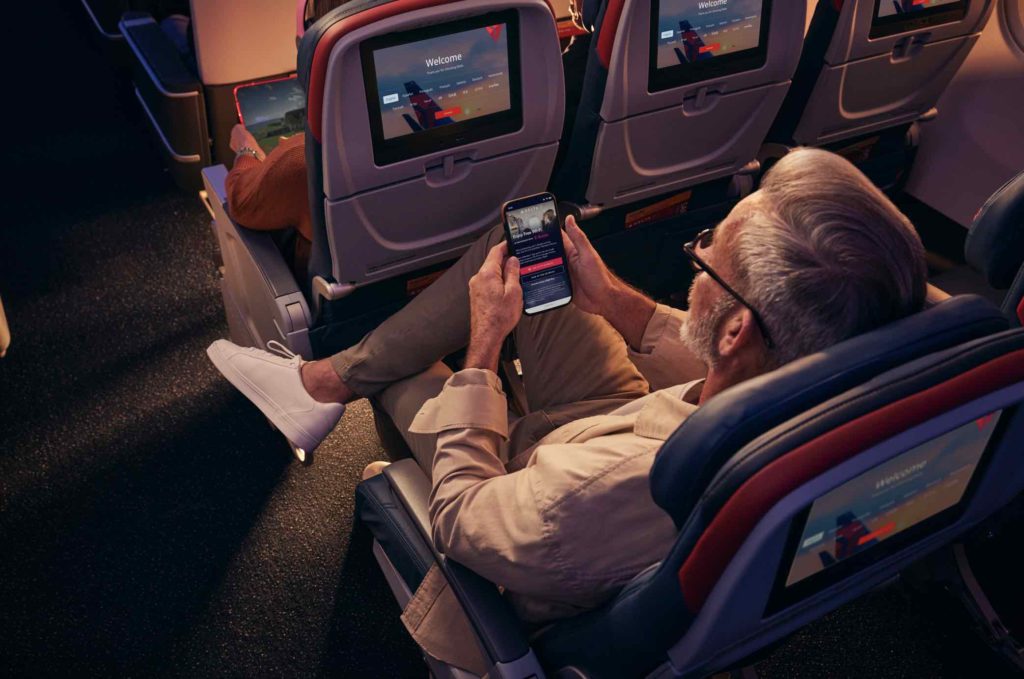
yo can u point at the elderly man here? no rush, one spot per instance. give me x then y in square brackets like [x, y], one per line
[555, 505]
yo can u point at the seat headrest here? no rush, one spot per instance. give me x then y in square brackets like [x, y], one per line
[692, 456]
[589, 9]
[995, 244]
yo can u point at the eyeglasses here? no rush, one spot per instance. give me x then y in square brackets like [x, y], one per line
[703, 240]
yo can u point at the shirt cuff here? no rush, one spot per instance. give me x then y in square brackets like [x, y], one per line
[470, 399]
[665, 322]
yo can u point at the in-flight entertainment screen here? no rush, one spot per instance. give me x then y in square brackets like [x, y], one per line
[898, 16]
[882, 503]
[888, 8]
[699, 39]
[442, 82]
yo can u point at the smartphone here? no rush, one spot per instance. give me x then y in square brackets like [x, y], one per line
[533, 229]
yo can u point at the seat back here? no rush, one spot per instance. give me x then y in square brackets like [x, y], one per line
[236, 42]
[703, 114]
[863, 72]
[995, 245]
[837, 501]
[762, 452]
[431, 183]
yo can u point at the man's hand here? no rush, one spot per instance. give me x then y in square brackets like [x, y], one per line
[596, 290]
[495, 307]
[242, 138]
[592, 282]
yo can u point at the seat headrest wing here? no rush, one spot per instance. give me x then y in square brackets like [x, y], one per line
[995, 244]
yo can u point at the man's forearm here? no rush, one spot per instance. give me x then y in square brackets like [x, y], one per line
[483, 352]
[629, 311]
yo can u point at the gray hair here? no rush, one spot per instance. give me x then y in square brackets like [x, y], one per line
[824, 255]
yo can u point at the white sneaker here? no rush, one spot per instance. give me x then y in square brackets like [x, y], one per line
[273, 383]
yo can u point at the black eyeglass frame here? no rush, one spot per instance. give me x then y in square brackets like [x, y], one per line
[690, 249]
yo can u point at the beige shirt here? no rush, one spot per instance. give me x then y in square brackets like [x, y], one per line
[577, 522]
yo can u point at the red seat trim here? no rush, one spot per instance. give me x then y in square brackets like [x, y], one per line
[330, 38]
[1020, 311]
[609, 27]
[733, 523]
[324, 47]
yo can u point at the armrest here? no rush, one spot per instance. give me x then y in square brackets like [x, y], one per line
[499, 631]
[259, 244]
[412, 487]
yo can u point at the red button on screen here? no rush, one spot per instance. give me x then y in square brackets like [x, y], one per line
[713, 47]
[448, 112]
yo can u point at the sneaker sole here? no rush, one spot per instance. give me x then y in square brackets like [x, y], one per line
[286, 425]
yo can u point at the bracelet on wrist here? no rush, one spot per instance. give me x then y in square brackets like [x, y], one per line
[245, 150]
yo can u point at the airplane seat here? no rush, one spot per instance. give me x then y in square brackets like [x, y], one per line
[390, 203]
[185, 77]
[396, 198]
[794, 493]
[864, 77]
[648, 132]
[995, 244]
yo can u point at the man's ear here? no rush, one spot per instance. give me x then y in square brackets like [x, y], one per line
[739, 333]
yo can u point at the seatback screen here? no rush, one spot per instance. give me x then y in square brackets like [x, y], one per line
[693, 40]
[700, 30]
[891, 498]
[443, 83]
[887, 8]
[899, 16]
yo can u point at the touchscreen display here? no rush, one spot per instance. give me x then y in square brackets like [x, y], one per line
[271, 110]
[890, 498]
[443, 80]
[887, 8]
[692, 31]
[537, 241]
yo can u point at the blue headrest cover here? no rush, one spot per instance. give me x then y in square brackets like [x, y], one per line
[995, 244]
[690, 458]
[589, 9]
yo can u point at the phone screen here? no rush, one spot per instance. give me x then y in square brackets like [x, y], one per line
[534, 233]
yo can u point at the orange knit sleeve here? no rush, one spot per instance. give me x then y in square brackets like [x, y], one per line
[270, 194]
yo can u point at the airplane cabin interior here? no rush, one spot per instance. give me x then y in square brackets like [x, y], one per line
[306, 184]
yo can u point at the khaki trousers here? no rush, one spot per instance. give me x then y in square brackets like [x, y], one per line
[574, 364]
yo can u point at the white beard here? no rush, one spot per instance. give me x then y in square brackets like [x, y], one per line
[700, 333]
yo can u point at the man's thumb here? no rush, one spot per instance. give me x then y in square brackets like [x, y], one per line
[576, 235]
[511, 272]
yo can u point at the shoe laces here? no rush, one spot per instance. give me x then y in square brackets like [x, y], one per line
[281, 350]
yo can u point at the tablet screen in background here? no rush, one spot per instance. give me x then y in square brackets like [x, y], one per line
[272, 110]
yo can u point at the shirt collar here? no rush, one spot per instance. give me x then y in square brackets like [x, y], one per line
[666, 411]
